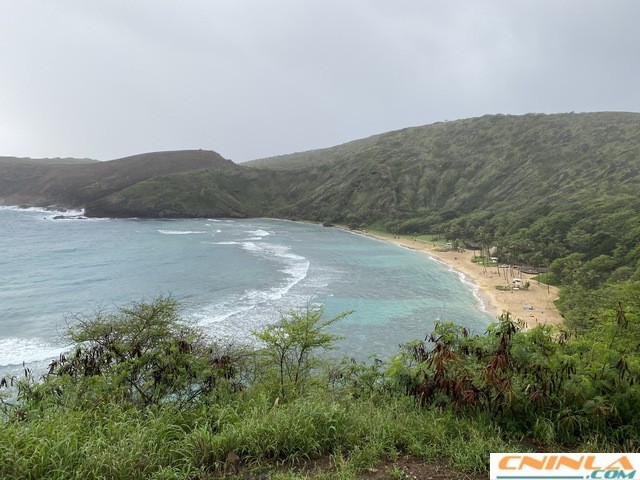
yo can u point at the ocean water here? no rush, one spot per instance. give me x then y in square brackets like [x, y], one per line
[232, 276]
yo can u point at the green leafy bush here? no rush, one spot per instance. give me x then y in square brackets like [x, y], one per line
[290, 346]
[144, 354]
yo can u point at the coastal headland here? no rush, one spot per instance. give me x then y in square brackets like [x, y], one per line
[533, 305]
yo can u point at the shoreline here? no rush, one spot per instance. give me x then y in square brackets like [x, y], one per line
[534, 306]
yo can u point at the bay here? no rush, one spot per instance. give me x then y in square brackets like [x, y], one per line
[232, 277]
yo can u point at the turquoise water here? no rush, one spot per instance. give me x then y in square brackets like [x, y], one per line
[233, 277]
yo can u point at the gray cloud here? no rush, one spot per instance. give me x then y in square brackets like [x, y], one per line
[253, 78]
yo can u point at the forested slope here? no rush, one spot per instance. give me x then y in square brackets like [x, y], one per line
[539, 186]
[495, 163]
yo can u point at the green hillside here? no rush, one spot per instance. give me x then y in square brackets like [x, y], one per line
[493, 164]
[197, 193]
[539, 186]
[77, 184]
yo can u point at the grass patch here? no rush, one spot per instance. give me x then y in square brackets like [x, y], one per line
[545, 279]
[481, 259]
[119, 443]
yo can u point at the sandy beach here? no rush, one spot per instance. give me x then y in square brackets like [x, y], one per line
[534, 306]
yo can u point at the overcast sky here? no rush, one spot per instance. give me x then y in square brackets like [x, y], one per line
[254, 78]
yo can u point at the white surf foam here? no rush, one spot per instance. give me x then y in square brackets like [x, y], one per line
[296, 266]
[49, 212]
[179, 232]
[232, 317]
[15, 351]
[258, 233]
[18, 208]
[474, 287]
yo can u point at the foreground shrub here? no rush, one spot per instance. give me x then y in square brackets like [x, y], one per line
[544, 384]
[143, 354]
[291, 347]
